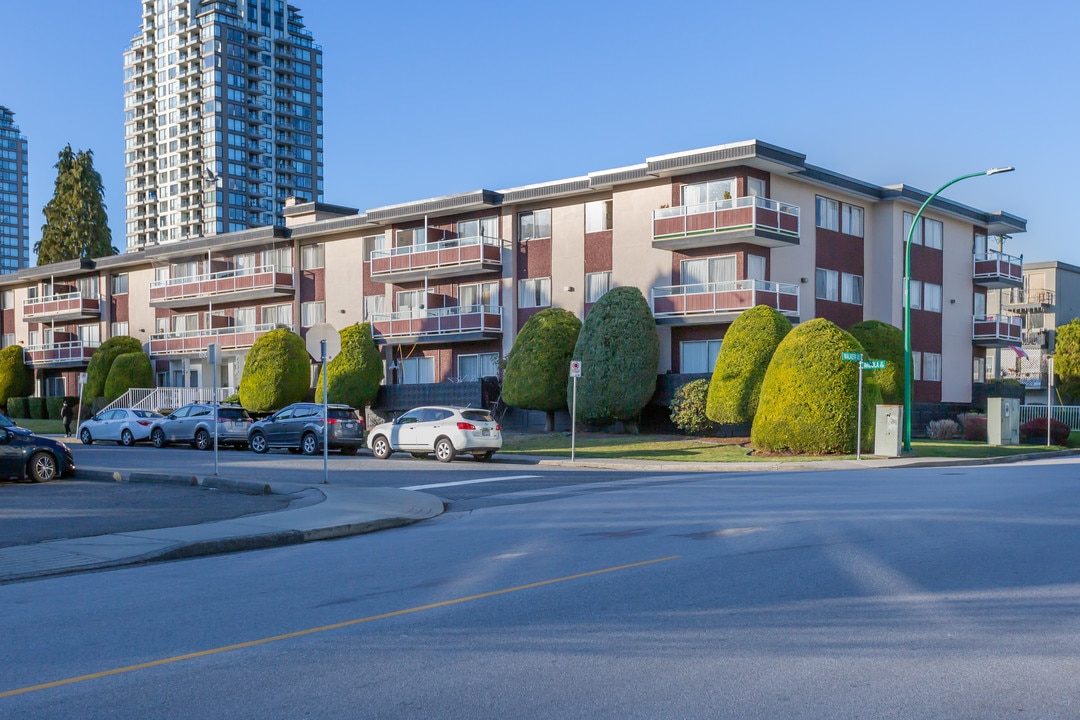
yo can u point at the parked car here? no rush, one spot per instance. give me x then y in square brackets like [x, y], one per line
[26, 455]
[299, 428]
[121, 425]
[194, 423]
[7, 423]
[445, 431]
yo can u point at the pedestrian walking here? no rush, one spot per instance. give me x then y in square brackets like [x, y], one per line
[67, 414]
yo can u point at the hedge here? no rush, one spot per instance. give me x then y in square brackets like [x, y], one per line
[882, 341]
[97, 371]
[809, 396]
[18, 407]
[538, 366]
[16, 379]
[38, 408]
[1034, 432]
[620, 351]
[53, 406]
[130, 370]
[744, 356]
[354, 374]
[277, 372]
[688, 409]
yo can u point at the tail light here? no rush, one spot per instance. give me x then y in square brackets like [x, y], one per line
[332, 421]
[144, 423]
[498, 427]
[465, 426]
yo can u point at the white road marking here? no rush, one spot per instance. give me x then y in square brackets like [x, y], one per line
[470, 482]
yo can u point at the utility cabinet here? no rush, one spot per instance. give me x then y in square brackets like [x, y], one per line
[1002, 421]
[888, 430]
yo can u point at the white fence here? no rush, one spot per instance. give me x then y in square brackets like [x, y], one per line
[172, 398]
[1068, 414]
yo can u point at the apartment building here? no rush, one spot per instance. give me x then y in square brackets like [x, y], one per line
[223, 118]
[448, 282]
[14, 196]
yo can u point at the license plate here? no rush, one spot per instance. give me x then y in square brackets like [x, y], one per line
[485, 432]
[350, 425]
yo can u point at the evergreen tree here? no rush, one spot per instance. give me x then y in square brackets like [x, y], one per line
[76, 224]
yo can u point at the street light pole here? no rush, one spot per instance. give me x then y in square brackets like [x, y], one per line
[907, 295]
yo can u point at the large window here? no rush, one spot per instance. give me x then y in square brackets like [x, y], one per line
[311, 257]
[755, 267]
[534, 225]
[279, 258]
[244, 317]
[828, 213]
[374, 305]
[417, 370]
[484, 227]
[597, 216]
[699, 356]
[277, 315]
[7, 340]
[851, 289]
[708, 270]
[87, 286]
[534, 292]
[931, 367]
[118, 328]
[90, 335]
[755, 187]
[118, 284]
[933, 233]
[373, 243]
[411, 301]
[596, 284]
[931, 297]
[915, 294]
[826, 284]
[312, 313]
[478, 296]
[709, 192]
[916, 238]
[851, 220]
[474, 367]
[7, 299]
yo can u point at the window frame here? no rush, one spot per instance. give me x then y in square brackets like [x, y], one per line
[936, 240]
[537, 285]
[709, 354]
[115, 280]
[316, 249]
[848, 283]
[307, 307]
[931, 367]
[927, 295]
[605, 215]
[915, 294]
[589, 298]
[832, 213]
[827, 274]
[848, 213]
[533, 215]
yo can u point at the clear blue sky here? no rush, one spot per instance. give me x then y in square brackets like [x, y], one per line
[431, 97]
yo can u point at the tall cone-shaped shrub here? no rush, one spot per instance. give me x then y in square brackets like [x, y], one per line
[539, 363]
[130, 370]
[97, 371]
[277, 372]
[355, 373]
[882, 341]
[16, 379]
[744, 357]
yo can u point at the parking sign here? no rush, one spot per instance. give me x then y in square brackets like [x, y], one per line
[575, 368]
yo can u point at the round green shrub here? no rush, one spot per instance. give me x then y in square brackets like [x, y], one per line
[538, 366]
[744, 356]
[355, 373]
[809, 396]
[233, 399]
[16, 379]
[277, 372]
[688, 408]
[38, 408]
[882, 341]
[18, 407]
[620, 352]
[130, 370]
[97, 371]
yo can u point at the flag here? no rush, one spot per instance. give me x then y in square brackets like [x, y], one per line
[1019, 352]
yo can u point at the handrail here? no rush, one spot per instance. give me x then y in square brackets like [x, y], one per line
[437, 312]
[998, 255]
[62, 346]
[214, 332]
[726, 286]
[221, 275]
[442, 244]
[77, 295]
[717, 205]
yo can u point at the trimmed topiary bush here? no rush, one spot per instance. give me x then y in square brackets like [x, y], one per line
[355, 374]
[744, 357]
[130, 370]
[882, 341]
[233, 399]
[16, 379]
[620, 352]
[97, 371]
[688, 408]
[17, 407]
[538, 366]
[1034, 432]
[277, 372]
[53, 405]
[38, 408]
[809, 396]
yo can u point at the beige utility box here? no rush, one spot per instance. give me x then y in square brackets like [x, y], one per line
[1002, 421]
[888, 430]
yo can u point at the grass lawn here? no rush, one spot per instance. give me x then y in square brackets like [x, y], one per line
[42, 427]
[680, 448]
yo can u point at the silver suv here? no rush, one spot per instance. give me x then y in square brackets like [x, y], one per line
[194, 424]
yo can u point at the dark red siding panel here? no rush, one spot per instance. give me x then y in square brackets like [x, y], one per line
[313, 285]
[598, 252]
[534, 259]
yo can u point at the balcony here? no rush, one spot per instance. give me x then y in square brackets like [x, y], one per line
[258, 283]
[997, 330]
[73, 353]
[194, 342]
[998, 270]
[452, 324]
[1028, 300]
[448, 258]
[754, 220]
[67, 307]
[720, 302]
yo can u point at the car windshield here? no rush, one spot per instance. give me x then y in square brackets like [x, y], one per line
[477, 415]
[5, 422]
[146, 414]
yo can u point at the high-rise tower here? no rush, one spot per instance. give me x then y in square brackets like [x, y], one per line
[14, 196]
[223, 118]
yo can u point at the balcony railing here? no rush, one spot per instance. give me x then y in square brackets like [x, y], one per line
[66, 306]
[243, 283]
[438, 323]
[700, 301]
[73, 352]
[191, 342]
[997, 330]
[750, 219]
[1036, 299]
[994, 269]
[448, 257]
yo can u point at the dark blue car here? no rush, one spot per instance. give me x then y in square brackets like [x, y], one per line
[26, 455]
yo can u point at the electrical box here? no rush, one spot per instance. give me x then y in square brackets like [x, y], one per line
[888, 430]
[1002, 421]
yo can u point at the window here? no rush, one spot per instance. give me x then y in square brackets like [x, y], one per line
[312, 313]
[479, 295]
[916, 365]
[32, 340]
[7, 340]
[979, 305]
[755, 187]
[413, 300]
[915, 292]
[117, 329]
[709, 192]
[410, 236]
[474, 367]
[277, 315]
[534, 225]
[933, 232]
[279, 258]
[118, 284]
[916, 238]
[699, 356]
[852, 220]
[185, 269]
[931, 367]
[161, 326]
[8, 300]
[851, 289]
[244, 317]
[90, 335]
[826, 284]
[244, 261]
[931, 297]
[980, 244]
[484, 227]
[708, 271]
[374, 305]
[417, 370]
[596, 284]
[828, 213]
[161, 275]
[311, 257]
[597, 216]
[535, 292]
[185, 323]
[373, 243]
[87, 286]
[755, 267]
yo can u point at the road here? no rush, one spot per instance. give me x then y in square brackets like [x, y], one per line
[930, 593]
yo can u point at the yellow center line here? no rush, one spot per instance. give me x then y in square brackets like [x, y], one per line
[324, 628]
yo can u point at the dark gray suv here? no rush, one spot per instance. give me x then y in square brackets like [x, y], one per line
[299, 429]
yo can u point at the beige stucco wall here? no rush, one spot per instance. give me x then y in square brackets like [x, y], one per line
[791, 264]
[343, 259]
[956, 328]
[568, 255]
[140, 313]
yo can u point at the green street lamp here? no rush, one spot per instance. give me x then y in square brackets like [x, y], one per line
[907, 295]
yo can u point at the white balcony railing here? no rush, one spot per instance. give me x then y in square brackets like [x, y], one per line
[71, 304]
[71, 351]
[997, 329]
[998, 268]
[438, 321]
[446, 253]
[723, 297]
[263, 277]
[195, 341]
[720, 216]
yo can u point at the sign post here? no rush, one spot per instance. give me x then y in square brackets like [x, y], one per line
[1049, 396]
[575, 373]
[863, 365]
[324, 342]
[212, 358]
[78, 415]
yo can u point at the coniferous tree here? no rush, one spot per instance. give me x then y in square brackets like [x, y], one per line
[76, 224]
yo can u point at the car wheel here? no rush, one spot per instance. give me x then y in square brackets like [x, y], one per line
[158, 438]
[309, 444]
[348, 451]
[483, 457]
[203, 441]
[257, 443]
[126, 438]
[444, 450]
[380, 447]
[42, 467]
[85, 437]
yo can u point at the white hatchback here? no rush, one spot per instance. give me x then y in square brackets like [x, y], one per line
[445, 431]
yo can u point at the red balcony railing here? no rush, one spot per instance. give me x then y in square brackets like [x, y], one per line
[745, 219]
[74, 352]
[996, 270]
[192, 342]
[997, 330]
[450, 256]
[67, 306]
[442, 323]
[705, 299]
[264, 280]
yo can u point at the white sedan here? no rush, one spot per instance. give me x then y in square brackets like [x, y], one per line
[121, 425]
[445, 431]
